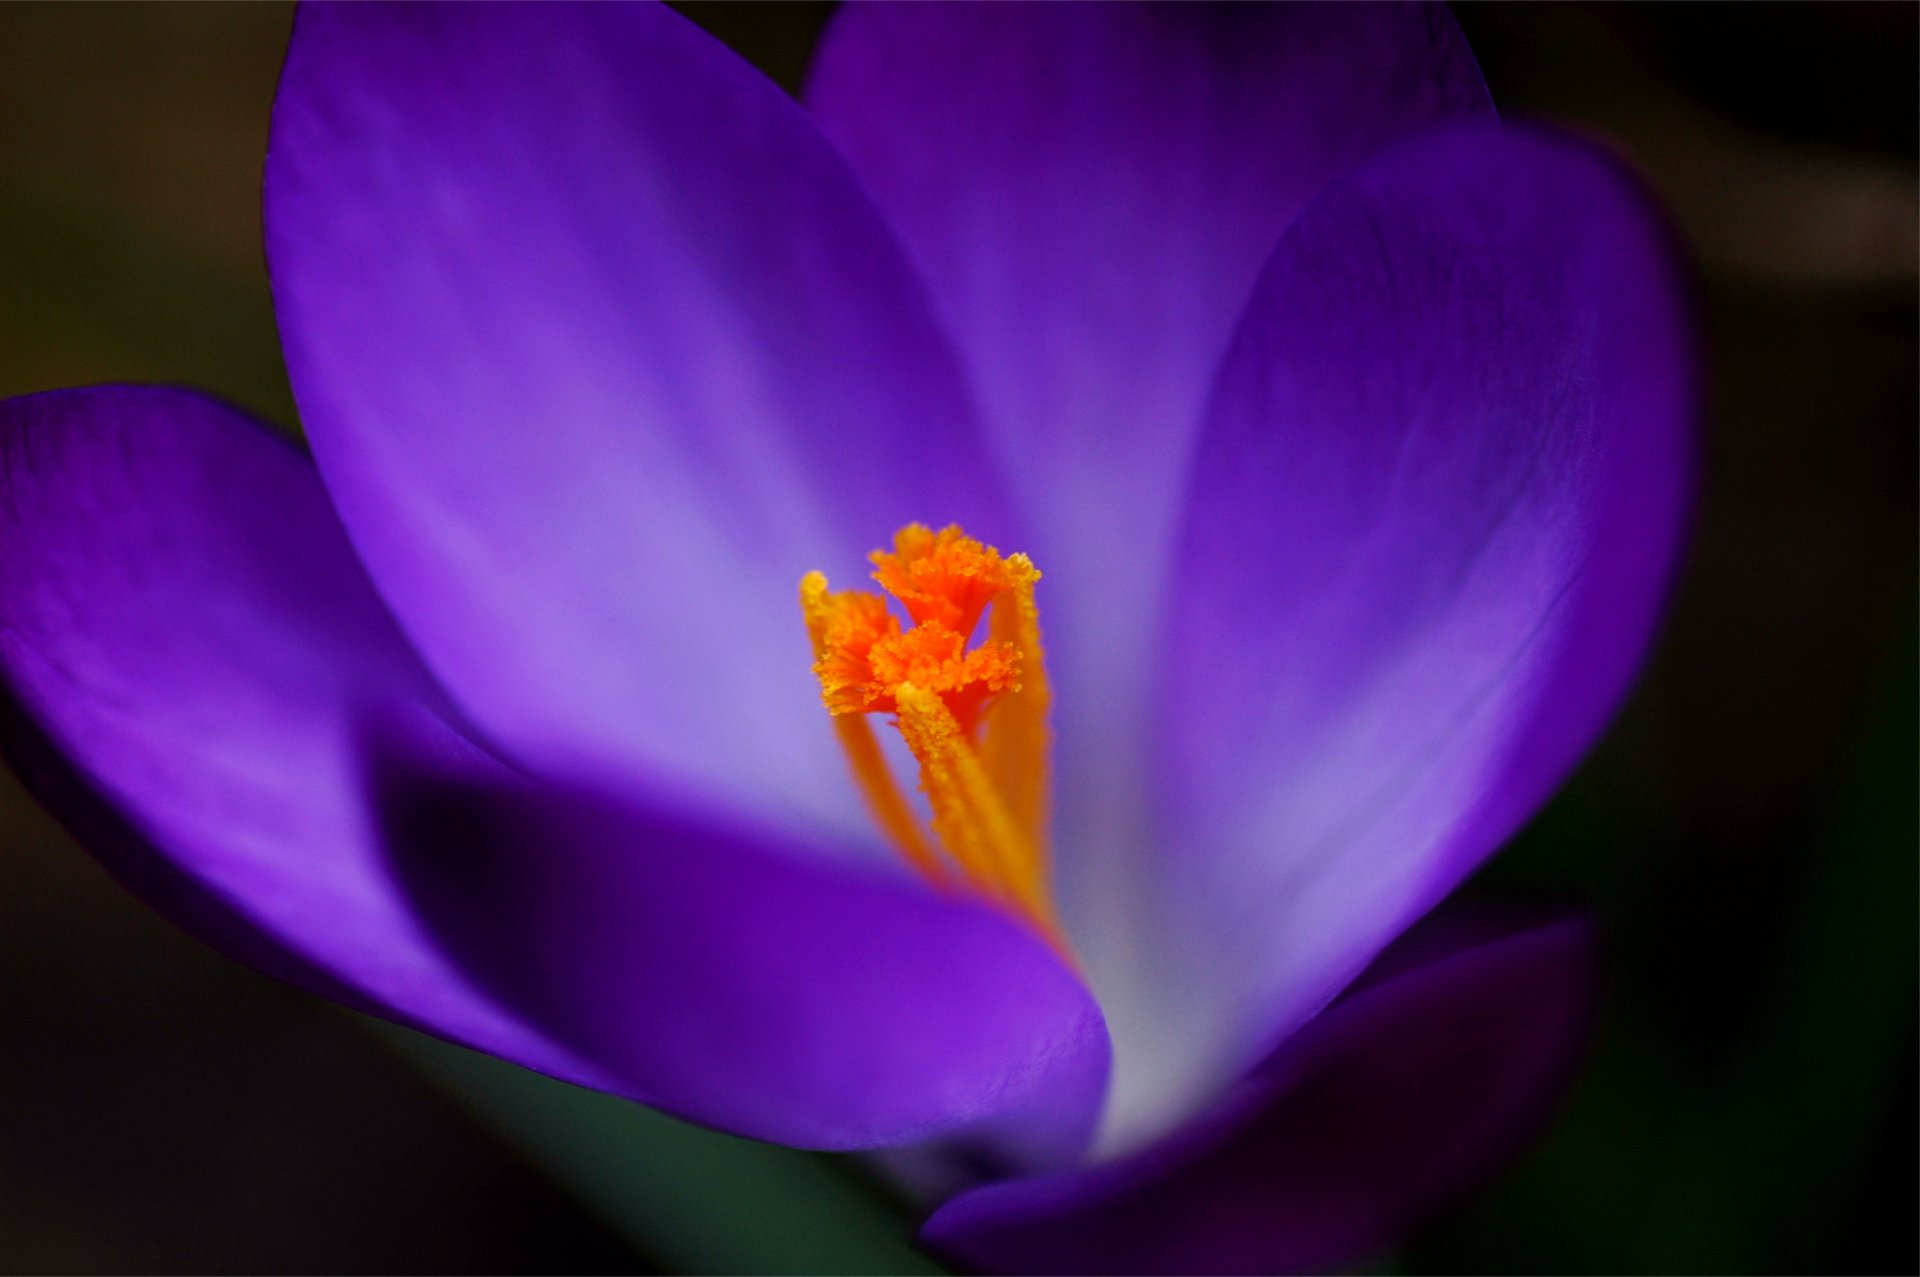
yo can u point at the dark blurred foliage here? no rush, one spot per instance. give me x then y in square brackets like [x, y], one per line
[1747, 829]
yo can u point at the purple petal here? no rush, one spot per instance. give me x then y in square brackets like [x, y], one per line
[186, 648]
[600, 350]
[1091, 190]
[1391, 1102]
[1435, 516]
[751, 985]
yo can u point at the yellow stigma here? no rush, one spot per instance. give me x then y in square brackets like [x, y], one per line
[974, 718]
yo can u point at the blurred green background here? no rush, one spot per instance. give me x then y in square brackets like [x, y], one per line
[1747, 830]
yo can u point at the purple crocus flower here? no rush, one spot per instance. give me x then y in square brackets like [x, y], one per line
[1348, 427]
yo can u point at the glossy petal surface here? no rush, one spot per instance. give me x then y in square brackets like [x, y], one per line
[187, 646]
[1393, 1100]
[1437, 510]
[1091, 190]
[742, 983]
[600, 349]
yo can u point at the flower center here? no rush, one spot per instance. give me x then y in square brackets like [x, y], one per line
[975, 719]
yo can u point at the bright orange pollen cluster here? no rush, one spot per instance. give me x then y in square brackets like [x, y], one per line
[945, 580]
[975, 718]
[946, 577]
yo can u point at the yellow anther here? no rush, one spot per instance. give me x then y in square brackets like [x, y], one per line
[832, 620]
[1017, 742]
[969, 816]
[974, 719]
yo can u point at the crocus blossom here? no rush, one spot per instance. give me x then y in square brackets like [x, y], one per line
[1317, 452]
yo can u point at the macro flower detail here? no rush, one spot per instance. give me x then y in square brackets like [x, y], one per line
[985, 777]
[1351, 426]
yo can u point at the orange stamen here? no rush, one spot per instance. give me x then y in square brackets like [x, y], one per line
[1018, 742]
[833, 622]
[943, 576]
[974, 719]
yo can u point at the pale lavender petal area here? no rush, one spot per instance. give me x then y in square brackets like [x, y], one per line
[741, 982]
[1436, 513]
[1091, 190]
[1392, 1102]
[187, 646]
[600, 349]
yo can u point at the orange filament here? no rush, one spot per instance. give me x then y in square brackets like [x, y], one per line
[975, 720]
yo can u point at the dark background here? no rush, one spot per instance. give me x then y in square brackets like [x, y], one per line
[1747, 830]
